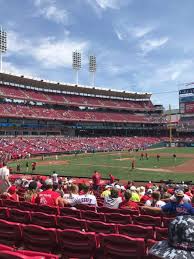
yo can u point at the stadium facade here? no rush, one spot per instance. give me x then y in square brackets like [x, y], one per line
[37, 107]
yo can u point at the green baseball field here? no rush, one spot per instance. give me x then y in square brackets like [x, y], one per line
[167, 167]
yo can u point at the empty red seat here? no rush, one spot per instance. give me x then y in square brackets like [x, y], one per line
[107, 210]
[91, 215]
[120, 246]
[10, 233]
[77, 244]
[43, 219]
[70, 212]
[161, 233]
[128, 212]
[147, 220]
[117, 218]
[85, 207]
[19, 216]
[6, 248]
[65, 222]
[48, 209]
[166, 221]
[39, 254]
[24, 205]
[136, 231]
[10, 203]
[101, 227]
[39, 239]
[4, 213]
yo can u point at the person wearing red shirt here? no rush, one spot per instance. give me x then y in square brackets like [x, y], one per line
[148, 185]
[127, 204]
[112, 178]
[147, 196]
[11, 193]
[96, 177]
[48, 197]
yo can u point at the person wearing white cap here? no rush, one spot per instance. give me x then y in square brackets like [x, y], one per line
[134, 197]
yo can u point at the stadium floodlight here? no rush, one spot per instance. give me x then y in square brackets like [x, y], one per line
[76, 63]
[92, 67]
[3, 45]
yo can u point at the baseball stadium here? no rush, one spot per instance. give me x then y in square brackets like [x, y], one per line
[91, 172]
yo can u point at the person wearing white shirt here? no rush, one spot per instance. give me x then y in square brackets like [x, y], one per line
[87, 198]
[155, 201]
[4, 179]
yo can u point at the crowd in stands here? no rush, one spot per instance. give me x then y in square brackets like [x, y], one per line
[73, 100]
[23, 146]
[126, 212]
[26, 111]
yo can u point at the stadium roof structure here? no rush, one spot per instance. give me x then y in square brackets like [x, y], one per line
[69, 88]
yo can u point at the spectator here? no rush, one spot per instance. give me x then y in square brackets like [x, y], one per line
[127, 203]
[185, 197]
[113, 200]
[175, 207]
[106, 192]
[31, 193]
[4, 179]
[96, 180]
[72, 194]
[135, 197]
[112, 178]
[87, 198]
[180, 243]
[48, 197]
[146, 196]
[155, 201]
[11, 193]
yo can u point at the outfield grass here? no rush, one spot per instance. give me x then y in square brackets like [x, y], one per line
[85, 164]
[180, 150]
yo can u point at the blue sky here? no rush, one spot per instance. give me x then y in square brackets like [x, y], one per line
[140, 45]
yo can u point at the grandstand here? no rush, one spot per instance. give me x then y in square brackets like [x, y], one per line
[37, 107]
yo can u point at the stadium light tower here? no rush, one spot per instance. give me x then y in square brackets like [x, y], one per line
[92, 68]
[3, 45]
[76, 63]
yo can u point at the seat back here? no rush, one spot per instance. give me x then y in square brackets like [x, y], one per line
[35, 254]
[101, 227]
[39, 239]
[117, 218]
[10, 203]
[77, 244]
[91, 215]
[128, 212]
[24, 205]
[65, 222]
[161, 233]
[107, 210]
[120, 246]
[48, 209]
[146, 220]
[10, 233]
[43, 220]
[70, 212]
[4, 213]
[19, 216]
[136, 231]
[166, 221]
[85, 207]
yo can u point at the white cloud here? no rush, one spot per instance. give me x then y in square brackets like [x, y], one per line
[152, 44]
[113, 4]
[50, 11]
[49, 52]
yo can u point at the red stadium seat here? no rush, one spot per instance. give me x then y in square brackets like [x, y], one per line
[5, 248]
[128, 212]
[19, 216]
[77, 244]
[91, 215]
[119, 246]
[136, 231]
[4, 213]
[48, 209]
[10, 204]
[166, 221]
[39, 254]
[107, 210]
[39, 239]
[65, 222]
[117, 218]
[85, 207]
[10, 233]
[43, 220]
[24, 205]
[146, 220]
[161, 233]
[101, 227]
[70, 212]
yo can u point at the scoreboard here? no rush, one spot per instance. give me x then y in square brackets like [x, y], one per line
[186, 101]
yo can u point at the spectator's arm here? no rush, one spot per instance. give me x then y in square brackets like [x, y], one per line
[151, 208]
